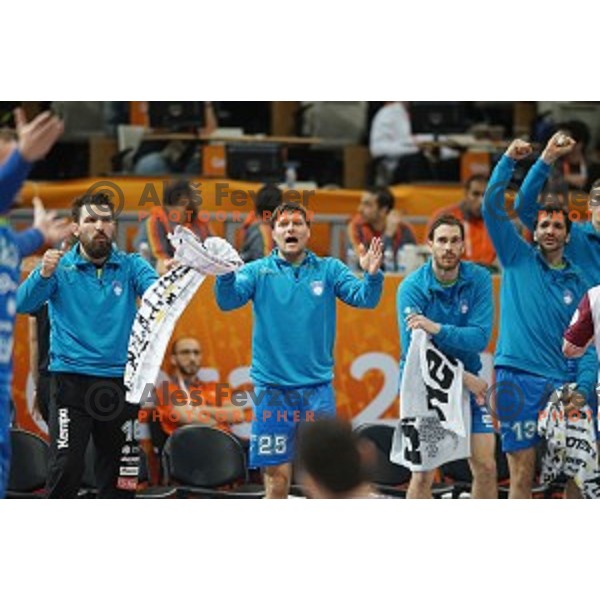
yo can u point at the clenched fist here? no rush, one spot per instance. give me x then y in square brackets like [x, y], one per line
[50, 261]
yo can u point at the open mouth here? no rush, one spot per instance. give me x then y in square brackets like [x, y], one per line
[291, 240]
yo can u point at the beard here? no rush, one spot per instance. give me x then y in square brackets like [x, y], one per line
[447, 265]
[98, 246]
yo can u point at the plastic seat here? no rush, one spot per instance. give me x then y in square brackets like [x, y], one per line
[206, 462]
[29, 465]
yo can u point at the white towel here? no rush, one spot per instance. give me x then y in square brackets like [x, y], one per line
[435, 414]
[570, 445]
[164, 302]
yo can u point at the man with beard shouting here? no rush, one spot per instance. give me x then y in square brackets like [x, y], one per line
[91, 293]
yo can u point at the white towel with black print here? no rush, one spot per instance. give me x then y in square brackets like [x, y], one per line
[164, 302]
[570, 445]
[435, 412]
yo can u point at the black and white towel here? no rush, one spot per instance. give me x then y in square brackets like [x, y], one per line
[570, 445]
[164, 302]
[435, 414]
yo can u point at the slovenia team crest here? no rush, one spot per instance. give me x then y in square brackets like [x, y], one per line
[317, 288]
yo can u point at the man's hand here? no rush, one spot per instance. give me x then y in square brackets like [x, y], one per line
[53, 229]
[392, 222]
[416, 321]
[370, 261]
[558, 145]
[574, 400]
[37, 137]
[50, 261]
[477, 386]
[519, 149]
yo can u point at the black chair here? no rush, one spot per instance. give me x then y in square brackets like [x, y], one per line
[147, 492]
[29, 465]
[458, 474]
[205, 462]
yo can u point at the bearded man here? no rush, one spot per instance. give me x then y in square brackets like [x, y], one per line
[91, 292]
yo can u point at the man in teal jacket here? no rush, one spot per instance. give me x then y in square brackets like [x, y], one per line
[294, 302]
[91, 293]
[539, 293]
[583, 247]
[452, 301]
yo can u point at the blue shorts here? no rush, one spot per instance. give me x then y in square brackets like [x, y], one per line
[519, 398]
[278, 412]
[481, 419]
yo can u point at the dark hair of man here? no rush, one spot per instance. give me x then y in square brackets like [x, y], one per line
[446, 220]
[99, 199]
[475, 179]
[180, 189]
[553, 207]
[383, 197]
[289, 207]
[269, 197]
[328, 452]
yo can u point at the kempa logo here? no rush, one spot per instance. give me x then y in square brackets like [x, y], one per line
[63, 428]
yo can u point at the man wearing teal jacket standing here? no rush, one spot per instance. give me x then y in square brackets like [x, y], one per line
[91, 293]
[539, 294]
[452, 301]
[294, 302]
[584, 243]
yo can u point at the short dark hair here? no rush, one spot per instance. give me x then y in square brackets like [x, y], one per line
[446, 220]
[8, 135]
[98, 199]
[383, 196]
[476, 178]
[328, 451]
[553, 207]
[269, 197]
[175, 190]
[289, 207]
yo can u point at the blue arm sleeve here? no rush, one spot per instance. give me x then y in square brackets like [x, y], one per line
[507, 241]
[34, 292]
[475, 336]
[410, 299]
[144, 274]
[587, 372]
[361, 293]
[526, 204]
[29, 241]
[12, 175]
[235, 289]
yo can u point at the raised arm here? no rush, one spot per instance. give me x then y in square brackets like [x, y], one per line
[236, 289]
[366, 292]
[35, 140]
[501, 230]
[526, 204]
[40, 285]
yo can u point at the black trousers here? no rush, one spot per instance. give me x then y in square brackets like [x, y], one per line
[82, 406]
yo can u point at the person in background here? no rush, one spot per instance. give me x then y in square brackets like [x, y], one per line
[397, 157]
[180, 207]
[255, 235]
[478, 245]
[377, 218]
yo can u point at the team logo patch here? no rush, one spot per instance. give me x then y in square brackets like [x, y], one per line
[317, 288]
[464, 307]
[568, 297]
[117, 288]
